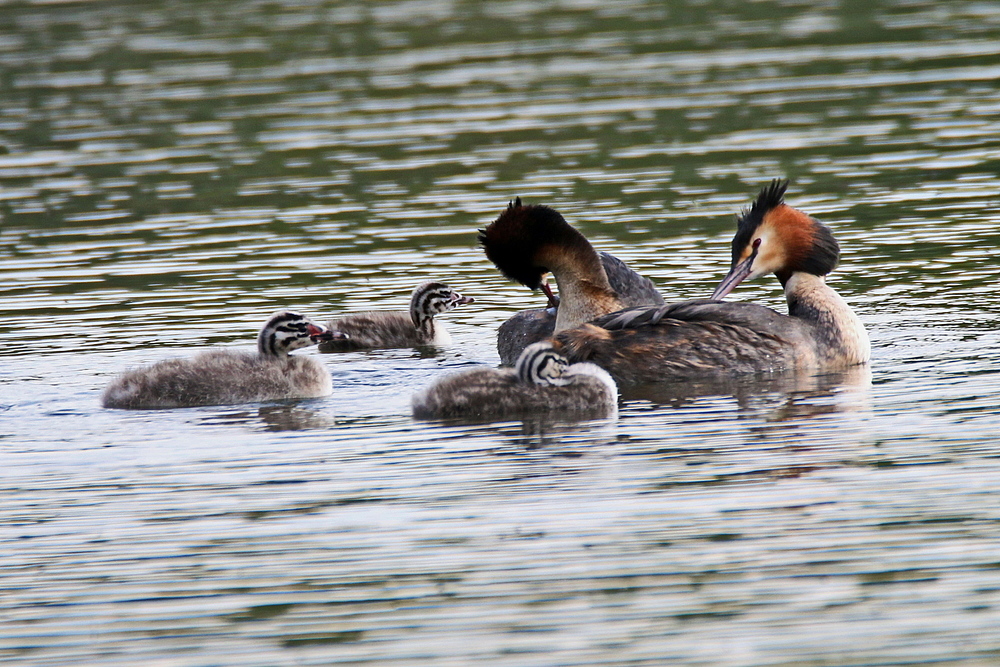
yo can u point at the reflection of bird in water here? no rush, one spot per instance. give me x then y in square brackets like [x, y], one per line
[702, 338]
[390, 329]
[293, 417]
[774, 397]
[541, 383]
[556, 243]
[219, 377]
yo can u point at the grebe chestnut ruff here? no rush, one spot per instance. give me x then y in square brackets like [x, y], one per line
[707, 337]
[527, 242]
[220, 377]
[541, 383]
[391, 329]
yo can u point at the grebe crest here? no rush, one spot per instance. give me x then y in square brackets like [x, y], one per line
[773, 237]
[526, 242]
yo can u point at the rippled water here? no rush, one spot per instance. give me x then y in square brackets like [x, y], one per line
[171, 173]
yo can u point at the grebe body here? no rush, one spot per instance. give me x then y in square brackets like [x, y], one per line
[394, 329]
[220, 377]
[705, 338]
[541, 383]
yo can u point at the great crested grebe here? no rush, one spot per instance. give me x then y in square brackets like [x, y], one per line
[541, 383]
[525, 243]
[389, 329]
[219, 377]
[707, 337]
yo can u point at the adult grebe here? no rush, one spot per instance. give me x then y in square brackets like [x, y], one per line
[541, 383]
[705, 338]
[525, 243]
[389, 329]
[219, 377]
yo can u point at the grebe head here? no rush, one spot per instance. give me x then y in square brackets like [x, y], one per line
[432, 298]
[773, 237]
[539, 363]
[521, 242]
[286, 331]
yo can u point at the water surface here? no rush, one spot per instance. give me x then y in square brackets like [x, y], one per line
[171, 173]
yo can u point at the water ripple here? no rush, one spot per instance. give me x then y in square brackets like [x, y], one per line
[169, 178]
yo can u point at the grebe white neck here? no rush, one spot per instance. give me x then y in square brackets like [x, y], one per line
[838, 328]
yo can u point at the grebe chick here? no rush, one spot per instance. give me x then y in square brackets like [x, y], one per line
[525, 243]
[541, 383]
[706, 338]
[389, 329]
[220, 377]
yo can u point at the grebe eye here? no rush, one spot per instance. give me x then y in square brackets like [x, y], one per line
[756, 243]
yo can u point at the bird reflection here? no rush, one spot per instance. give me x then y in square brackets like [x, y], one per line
[548, 432]
[273, 417]
[293, 418]
[773, 398]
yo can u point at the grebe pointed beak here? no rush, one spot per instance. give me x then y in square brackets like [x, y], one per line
[460, 300]
[553, 299]
[738, 274]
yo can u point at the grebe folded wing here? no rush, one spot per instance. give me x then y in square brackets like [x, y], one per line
[738, 313]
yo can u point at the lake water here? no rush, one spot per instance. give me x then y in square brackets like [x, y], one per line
[173, 172]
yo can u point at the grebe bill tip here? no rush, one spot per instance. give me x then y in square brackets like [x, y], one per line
[736, 275]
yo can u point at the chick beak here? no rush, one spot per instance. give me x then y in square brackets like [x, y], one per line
[318, 334]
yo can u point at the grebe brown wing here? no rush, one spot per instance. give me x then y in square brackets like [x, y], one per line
[691, 339]
[739, 313]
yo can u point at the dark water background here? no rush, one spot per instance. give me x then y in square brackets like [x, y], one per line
[172, 172]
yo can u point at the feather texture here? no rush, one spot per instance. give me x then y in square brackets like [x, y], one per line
[220, 377]
[394, 329]
[542, 383]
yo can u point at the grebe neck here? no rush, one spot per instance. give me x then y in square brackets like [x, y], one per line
[423, 322]
[839, 332]
[584, 290]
